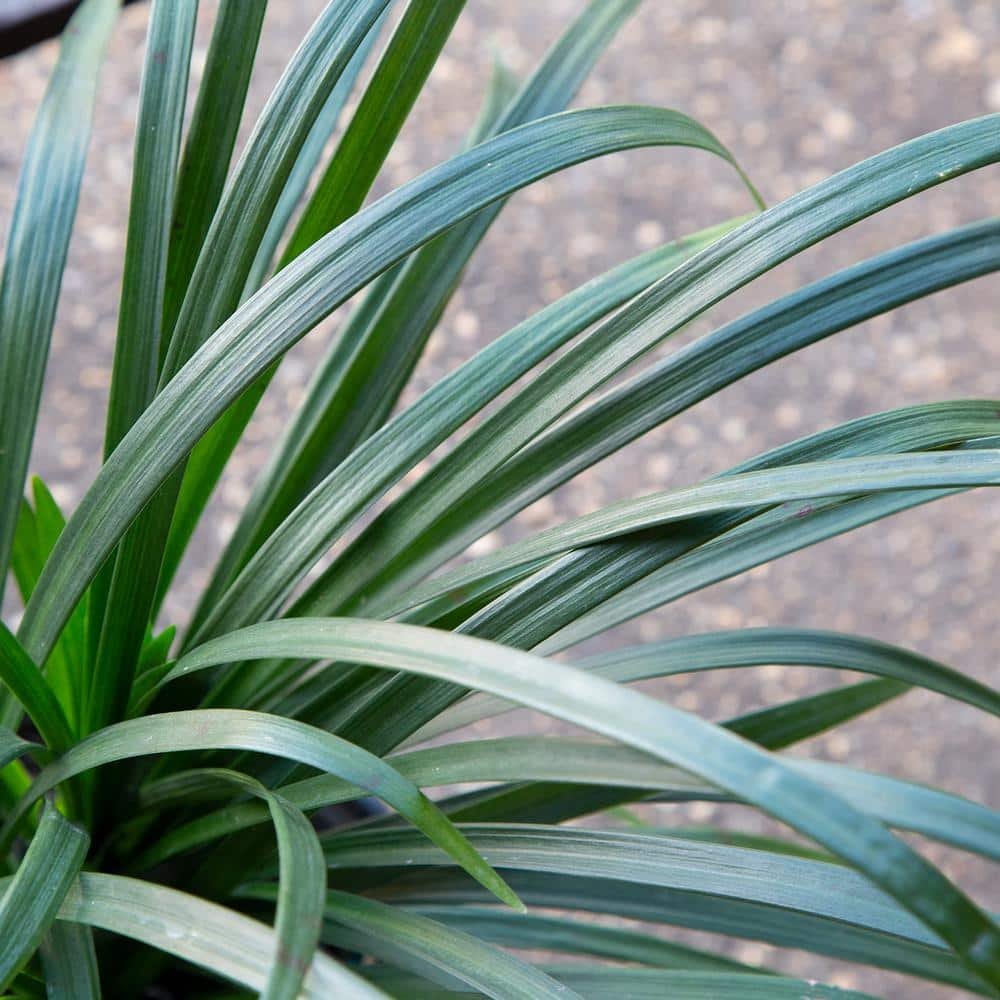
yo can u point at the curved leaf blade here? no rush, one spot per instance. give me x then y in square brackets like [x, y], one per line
[232, 729]
[33, 896]
[290, 304]
[220, 940]
[491, 475]
[36, 248]
[662, 730]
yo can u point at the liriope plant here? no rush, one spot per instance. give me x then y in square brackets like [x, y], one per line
[167, 797]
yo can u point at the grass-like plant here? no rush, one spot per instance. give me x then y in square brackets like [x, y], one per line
[166, 798]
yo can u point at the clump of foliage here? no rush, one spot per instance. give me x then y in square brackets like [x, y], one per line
[165, 797]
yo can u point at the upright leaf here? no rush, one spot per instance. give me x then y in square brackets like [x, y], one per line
[205, 465]
[140, 313]
[213, 292]
[154, 168]
[288, 306]
[33, 897]
[209, 145]
[400, 76]
[37, 244]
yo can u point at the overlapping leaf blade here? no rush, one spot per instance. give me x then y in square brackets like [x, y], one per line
[37, 246]
[224, 942]
[31, 899]
[255, 732]
[291, 303]
[468, 494]
[675, 736]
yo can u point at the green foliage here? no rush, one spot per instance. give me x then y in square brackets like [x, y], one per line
[169, 800]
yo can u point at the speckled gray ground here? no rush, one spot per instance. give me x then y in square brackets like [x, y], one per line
[798, 89]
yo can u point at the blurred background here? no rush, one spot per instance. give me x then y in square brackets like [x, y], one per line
[798, 89]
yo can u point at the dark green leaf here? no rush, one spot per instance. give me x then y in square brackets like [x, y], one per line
[32, 898]
[70, 963]
[36, 247]
[715, 754]
[231, 729]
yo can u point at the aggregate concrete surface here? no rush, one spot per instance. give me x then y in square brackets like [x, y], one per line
[797, 89]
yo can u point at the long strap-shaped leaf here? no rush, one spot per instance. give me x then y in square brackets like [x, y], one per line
[36, 248]
[209, 145]
[38, 527]
[467, 495]
[34, 895]
[595, 982]
[935, 814]
[117, 623]
[26, 684]
[394, 87]
[154, 170]
[230, 729]
[558, 934]
[69, 962]
[226, 943]
[381, 113]
[636, 575]
[675, 736]
[559, 595]
[718, 915]
[206, 462]
[213, 292]
[553, 326]
[839, 477]
[614, 565]
[302, 294]
[751, 648]
[230, 246]
[301, 891]
[728, 264]
[485, 968]
[688, 866]
[363, 374]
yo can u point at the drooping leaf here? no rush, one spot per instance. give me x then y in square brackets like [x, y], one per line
[224, 942]
[748, 648]
[730, 916]
[301, 891]
[675, 736]
[289, 305]
[232, 729]
[469, 494]
[485, 968]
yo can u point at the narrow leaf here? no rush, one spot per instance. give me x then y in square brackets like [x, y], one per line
[70, 963]
[36, 247]
[33, 896]
[232, 729]
[222, 941]
[675, 736]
